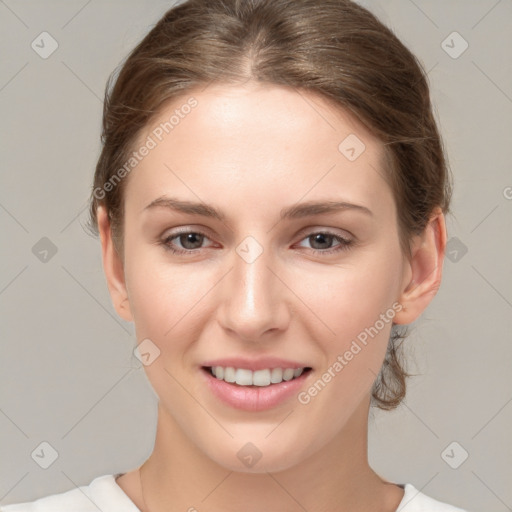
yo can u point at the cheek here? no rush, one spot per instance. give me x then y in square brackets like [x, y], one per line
[164, 298]
[355, 302]
[350, 297]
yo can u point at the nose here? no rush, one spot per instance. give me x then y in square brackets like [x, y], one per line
[255, 302]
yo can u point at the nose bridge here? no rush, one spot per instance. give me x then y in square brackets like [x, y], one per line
[254, 299]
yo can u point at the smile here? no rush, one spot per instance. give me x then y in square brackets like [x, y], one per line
[261, 378]
[255, 390]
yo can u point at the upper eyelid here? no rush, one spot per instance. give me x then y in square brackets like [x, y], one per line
[174, 232]
[315, 228]
[331, 231]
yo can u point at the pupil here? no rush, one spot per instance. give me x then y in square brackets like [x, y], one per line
[321, 238]
[193, 238]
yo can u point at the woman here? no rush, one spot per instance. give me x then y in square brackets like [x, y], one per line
[270, 199]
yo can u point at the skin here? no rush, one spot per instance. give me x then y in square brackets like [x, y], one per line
[250, 151]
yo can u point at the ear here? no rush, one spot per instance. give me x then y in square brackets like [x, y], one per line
[113, 268]
[423, 271]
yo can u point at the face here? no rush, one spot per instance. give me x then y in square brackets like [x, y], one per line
[228, 263]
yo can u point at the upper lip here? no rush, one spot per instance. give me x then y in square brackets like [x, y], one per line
[255, 364]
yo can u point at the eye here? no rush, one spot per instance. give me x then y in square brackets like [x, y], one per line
[188, 242]
[184, 242]
[322, 242]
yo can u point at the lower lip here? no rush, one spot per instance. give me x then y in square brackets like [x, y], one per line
[254, 398]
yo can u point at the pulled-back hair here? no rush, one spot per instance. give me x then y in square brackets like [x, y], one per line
[333, 48]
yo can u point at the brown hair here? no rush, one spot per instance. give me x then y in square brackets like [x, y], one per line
[333, 48]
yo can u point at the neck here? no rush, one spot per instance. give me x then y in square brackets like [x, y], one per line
[177, 476]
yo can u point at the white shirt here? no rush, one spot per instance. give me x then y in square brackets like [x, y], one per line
[104, 494]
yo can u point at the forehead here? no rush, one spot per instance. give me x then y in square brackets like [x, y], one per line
[267, 142]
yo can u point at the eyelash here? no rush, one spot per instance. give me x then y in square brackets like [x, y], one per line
[344, 243]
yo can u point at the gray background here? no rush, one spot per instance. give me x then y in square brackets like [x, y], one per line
[68, 376]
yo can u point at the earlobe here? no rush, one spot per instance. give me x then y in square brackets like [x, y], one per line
[113, 268]
[424, 270]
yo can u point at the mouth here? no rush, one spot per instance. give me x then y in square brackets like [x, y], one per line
[255, 390]
[258, 378]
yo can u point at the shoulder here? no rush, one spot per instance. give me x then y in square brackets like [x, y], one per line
[416, 501]
[102, 493]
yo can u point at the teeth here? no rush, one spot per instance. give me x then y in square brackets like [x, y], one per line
[276, 376]
[261, 378]
[229, 374]
[243, 377]
[288, 374]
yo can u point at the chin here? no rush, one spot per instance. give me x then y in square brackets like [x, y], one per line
[260, 456]
[268, 463]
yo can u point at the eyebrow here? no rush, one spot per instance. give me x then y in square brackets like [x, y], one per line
[297, 211]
